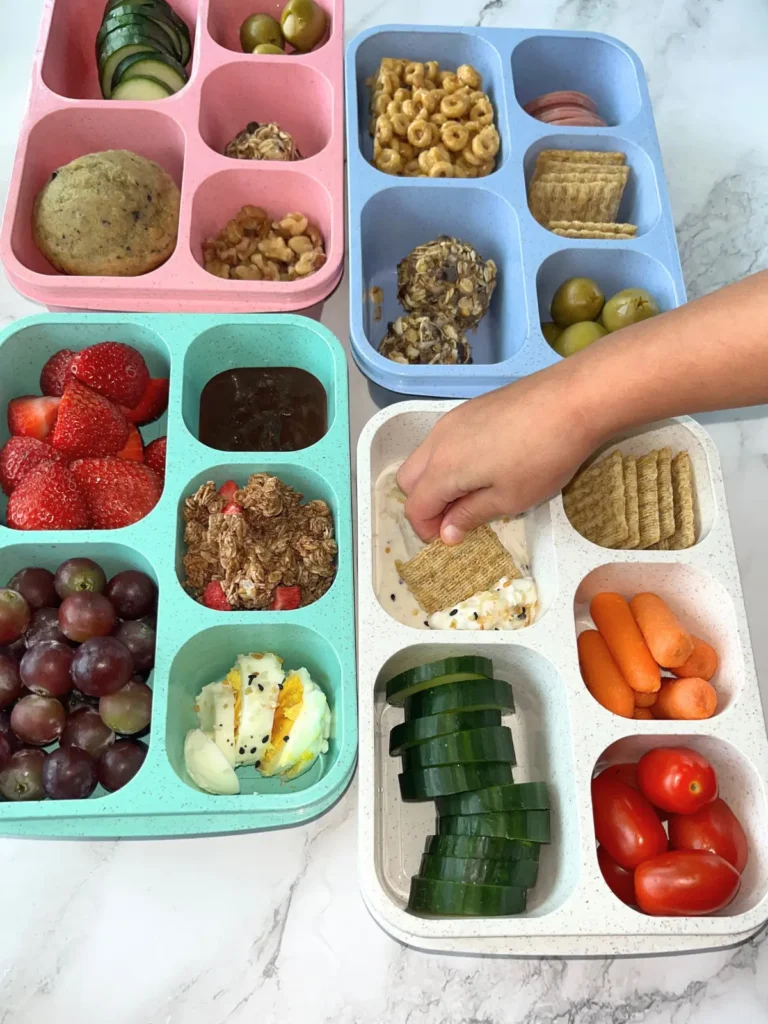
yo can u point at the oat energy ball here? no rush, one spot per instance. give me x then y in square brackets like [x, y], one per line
[449, 278]
[262, 142]
[112, 214]
[424, 341]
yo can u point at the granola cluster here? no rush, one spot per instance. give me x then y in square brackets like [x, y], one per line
[275, 541]
[262, 142]
[425, 341]
[252, 247]
[447, 277]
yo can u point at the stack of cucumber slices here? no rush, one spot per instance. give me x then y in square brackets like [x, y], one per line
[142, 49]
[456, 751]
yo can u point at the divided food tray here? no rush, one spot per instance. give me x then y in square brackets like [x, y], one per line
[389, 216]
[561, 733]
[196, 645]
[186, 133]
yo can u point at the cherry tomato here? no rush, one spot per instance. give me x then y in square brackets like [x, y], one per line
[627, 772]
[620, 881]
[625, 823]
[677, 779]
[685, 883]
[713, 827]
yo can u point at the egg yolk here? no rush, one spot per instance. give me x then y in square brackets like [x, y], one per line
[288, 708]
[235, 680]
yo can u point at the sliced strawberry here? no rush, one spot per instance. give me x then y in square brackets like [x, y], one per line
[228, 490]
[117, 492]
[152, 404]
[88, 424]
[134, 449]
[30, 416]
[57, 373]
[48, 498]
[154, 455]
[214, 597]
[21, 454]
[285, 599]
[232, 509]
[116, 371]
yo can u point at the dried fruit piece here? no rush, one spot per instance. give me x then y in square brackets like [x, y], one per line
[48, 498]
[114, 370]
[214, 597]
[31, 416]
[57, 373]
[21, 454]
[117, 492]
[88, 424]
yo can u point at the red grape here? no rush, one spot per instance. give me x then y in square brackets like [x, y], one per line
[14, 615]
[69, 773]
[139, 638]
[38, 720]
[84, 616]
[5, 752]
[85, 729]
[45, 626]
[5, 730]
[132, 593]
[45, 668]
[129, 710]
[78, 575]
[14, 651]
[36, 586]
[11, 687]
[101, 666]
[120, 763]
[22, 777]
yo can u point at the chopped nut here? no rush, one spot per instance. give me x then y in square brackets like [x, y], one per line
[252, 247]
[262, 142]
[425, 341]
[447, 277]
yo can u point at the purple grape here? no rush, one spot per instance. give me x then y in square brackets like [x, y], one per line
[22, 777]
[78, 575]
[5, 751]
[120, 763]
[84, 616]
[129, 710]
[45, 668]
[14, 615]
[15, 651]
[38, 720]
[11, 687]
[7, 732]
[44, 625]
[101, 666]
[132, 593]
[85, 729]
[139, 638]
[36, 586]
[69, 773]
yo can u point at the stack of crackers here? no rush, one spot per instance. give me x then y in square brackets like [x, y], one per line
[634, 503]
[577, 193]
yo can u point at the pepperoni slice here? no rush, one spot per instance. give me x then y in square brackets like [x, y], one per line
[580, 122]
[567, 110]
[564, 97]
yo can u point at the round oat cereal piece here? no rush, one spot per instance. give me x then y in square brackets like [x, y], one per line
[419, 340]
[114, 214]
[448, 278]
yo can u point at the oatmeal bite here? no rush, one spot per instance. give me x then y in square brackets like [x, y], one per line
[262, 142]
[447, 277]
[256, 541]
[420, 340]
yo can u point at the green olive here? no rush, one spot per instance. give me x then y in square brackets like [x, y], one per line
[551, 331]
[628, 307]
[258, 30]
[269, 48]
[578, 336]
[577, 299]
[303, 23]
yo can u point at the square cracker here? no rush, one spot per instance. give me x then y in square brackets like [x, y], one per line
[630, 494]
[608, 236]
[585, 156]
[666, 501]
[648, 499]
[441, 576]
[682, 491]
[595, 201]
[589, 225]
[595, 503]
[544, 167]
[592, 174]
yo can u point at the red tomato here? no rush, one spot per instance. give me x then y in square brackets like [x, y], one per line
[715, 828]
[620, 881]
[627, 772]
[677, 779]
[684, 883]
[625, 823]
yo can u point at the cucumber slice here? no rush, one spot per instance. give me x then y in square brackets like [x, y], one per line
[455, 899]
[480, 872]
[143, 22]
[116, 50]
[476, 695]
[159, 11]
[159, 65]
[141, 89]
[437, 673]
[409, 734]
[473, 746]
[482, 848]
[531, 825]
[522, 796]
[428, 783]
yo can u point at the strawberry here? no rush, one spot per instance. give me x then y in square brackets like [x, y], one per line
[152, 404]
[57, 373]
[154, 455]
[285, 599]
[30, 416]
[48, 498]
[117, 492]
[21, 454]
[116, 371]
[134, 449]
[88, 424]
[228, 490]
[214, 597]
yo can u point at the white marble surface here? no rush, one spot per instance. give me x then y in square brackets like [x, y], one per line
[271, 928]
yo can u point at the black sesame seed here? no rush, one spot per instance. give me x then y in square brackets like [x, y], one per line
[242, 750]
[454, 611]
[54, 175]
[521, 615]
[260, 687]
[251, 677]
[256, 764]
[253, 750]
[265, 740]
[285, 739]
[476, 616]
[279, 686]
[392, 596]
[426, 622]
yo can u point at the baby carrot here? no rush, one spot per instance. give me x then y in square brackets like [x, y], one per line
[667, 640]
[645, 700]
[643, 714]
[686, 698]
[602, 676]
[702, 663]
[611, 615]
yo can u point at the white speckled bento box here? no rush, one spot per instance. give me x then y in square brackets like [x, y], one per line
[561, 733]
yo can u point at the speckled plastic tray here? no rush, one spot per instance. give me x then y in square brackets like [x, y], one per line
[389, 216]
[561, 733]
[186, 133]
[196, 645]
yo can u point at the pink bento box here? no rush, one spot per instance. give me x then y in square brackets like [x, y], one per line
[186, 133]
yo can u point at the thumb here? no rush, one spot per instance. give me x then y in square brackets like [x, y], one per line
[467, 513]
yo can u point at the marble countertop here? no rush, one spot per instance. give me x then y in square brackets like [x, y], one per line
[271, 927]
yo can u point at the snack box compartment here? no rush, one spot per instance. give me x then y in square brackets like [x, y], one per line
[389, 216]
[186, 133]
[561, 734]
[196, 645]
